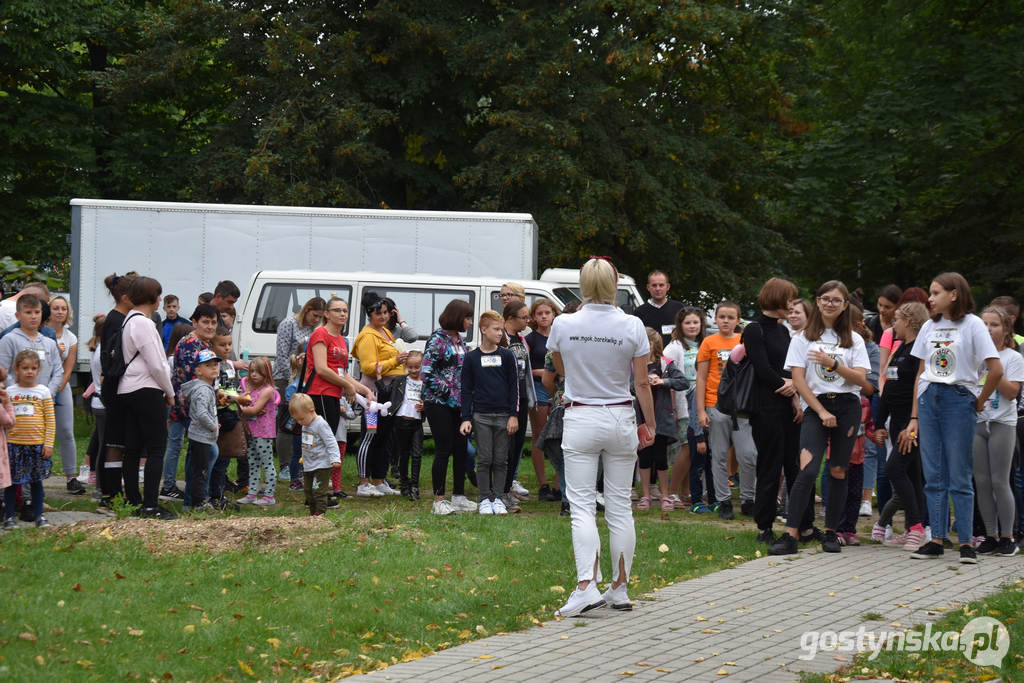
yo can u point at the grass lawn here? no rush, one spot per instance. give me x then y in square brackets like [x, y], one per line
[948, 666]
[271, 593]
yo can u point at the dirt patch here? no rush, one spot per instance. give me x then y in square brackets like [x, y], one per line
[207, 535]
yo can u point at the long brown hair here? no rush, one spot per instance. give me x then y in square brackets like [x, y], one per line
[816, 325]
[964, 302]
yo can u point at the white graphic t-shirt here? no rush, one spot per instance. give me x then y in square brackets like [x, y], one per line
[998, 408]
[820, 380]
[953, 351]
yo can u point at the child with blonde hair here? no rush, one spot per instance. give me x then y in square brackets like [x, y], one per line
[262, 420]
[30, 439]
[320, 452]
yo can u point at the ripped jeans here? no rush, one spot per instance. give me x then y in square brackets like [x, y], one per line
[816, 439]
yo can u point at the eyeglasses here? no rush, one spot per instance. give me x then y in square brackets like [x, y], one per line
[337, 310]
[523, 317]
[506, 295]
[831, 300]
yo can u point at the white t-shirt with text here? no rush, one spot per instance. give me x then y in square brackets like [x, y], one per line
[598, 344]
[820, 380]
[953, 351]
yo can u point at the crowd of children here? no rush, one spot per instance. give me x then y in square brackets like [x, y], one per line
[942, 369]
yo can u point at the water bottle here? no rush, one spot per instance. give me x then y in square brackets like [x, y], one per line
[245, 357]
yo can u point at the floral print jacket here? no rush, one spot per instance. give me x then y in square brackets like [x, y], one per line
[442, 369]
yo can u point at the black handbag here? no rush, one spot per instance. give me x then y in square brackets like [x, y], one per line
[736, 396]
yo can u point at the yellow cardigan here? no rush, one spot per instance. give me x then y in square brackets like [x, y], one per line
[370, 348]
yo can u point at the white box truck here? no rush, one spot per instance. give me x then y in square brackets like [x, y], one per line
[190, 247]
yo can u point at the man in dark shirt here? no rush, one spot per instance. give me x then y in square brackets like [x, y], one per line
[659, 312]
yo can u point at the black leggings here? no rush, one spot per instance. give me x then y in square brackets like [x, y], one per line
[145, 436]
[816, 439]
[444, 426]
[905, 472]
[777, 439]
[655, 455]
[515, 449]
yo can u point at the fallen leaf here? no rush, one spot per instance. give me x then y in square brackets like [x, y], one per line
[662, 548]
[196, 608]
[496, 666]
[700, 618]
[557, 589]
[274, 642]
[106, 534]
[729, 664]
[664, 671]
[627, 673]
[189, 628]
[30, 637]
[841, 658]
[246, 669]
[77, 587]
[84, 663]
[722, 672]
[699, 660]
[40, 661]
[486, 657]
[135, 631]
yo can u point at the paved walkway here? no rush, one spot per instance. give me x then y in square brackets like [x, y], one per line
[746, 622]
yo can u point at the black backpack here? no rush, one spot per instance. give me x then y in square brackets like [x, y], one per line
[115, 366]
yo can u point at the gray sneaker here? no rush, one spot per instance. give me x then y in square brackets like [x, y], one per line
[511, 504]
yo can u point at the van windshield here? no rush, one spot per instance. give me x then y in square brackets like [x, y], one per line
[279, 299]
[623, 297]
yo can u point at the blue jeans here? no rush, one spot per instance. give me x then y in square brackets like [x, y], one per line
[175, 438]
[875, 476]
[294, 466]
[946, 419]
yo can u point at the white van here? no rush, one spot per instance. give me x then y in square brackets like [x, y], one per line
[274, 294]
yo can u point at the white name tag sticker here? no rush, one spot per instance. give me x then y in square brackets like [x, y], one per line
[341, 372]
[307, 438]
[24, 410]
[892, 373]
[667, 329]
[459, 350]
[490, 361]
[229, 370]
[42, 355]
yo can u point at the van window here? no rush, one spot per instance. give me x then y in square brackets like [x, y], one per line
[420, 306]
[497, 306]
[623, 297]
[279, 299]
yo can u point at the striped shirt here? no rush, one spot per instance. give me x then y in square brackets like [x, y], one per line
[34, 424]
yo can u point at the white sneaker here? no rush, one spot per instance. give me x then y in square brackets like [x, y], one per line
[616, 598]
[463, 504]
[441, 507]
[600, 498]
[865, 508]
[83, 473]
[368, 490]
[581, 601]
[486, 508]
[247, 499]
[142, 475]
[386, 490]
[498, 507]
[518, 489]
[266, 500]
[927, 534]
[284, 475]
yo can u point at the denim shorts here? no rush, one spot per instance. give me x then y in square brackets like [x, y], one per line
[543, 397]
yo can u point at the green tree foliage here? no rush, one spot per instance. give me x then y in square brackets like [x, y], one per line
[915, 159]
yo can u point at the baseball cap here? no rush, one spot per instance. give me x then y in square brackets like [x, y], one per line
[205, 356]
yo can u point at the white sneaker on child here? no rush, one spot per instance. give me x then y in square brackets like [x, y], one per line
[442, 507]
[463, 504]
[486, 508]
[518, 489]
[247, 499]
[498, 507]
[83, 473]
[266, 500]
[386, 490]
[368, 490]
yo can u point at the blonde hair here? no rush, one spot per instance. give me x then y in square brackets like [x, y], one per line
[915, 313]
[598, 282]
[71, 311]
[295, 362]
[491, 317]
[413, 354]
[654, 337]
[261, 365]
[300, 404]
[516, 288]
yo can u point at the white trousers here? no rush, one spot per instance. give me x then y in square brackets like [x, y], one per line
[590, 433]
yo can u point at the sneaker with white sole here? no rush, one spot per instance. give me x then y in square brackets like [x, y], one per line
[865, 508]
[498, 507]
[266, 500]
[442, 507]
[616, 598]
[486, 508]
[83, 473]
[581, 601]
[927, 534]
[368, 490]
[463, 504]
[518, 489]
[386, 490]
[247, 499]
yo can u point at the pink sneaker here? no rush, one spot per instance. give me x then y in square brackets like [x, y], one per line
[851, 538]
[266, 500]
[247, 499]
[644, 503]
[878, 533]
[92, 477]
[899, 540]
[667, 505]
[914, 540]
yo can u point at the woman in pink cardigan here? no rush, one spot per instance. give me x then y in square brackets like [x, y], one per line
[6, 422]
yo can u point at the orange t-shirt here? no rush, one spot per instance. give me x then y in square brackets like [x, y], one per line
[715, 349]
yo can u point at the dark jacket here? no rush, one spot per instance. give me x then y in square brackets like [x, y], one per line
[766, 341]
[664, 406]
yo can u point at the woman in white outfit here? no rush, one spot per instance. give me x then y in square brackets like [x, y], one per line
[597, 350]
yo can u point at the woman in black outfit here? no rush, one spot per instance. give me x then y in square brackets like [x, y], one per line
[112, 450]
[895, 403]
[775, 424]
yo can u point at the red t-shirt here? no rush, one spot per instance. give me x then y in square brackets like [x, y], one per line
[337, 358]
